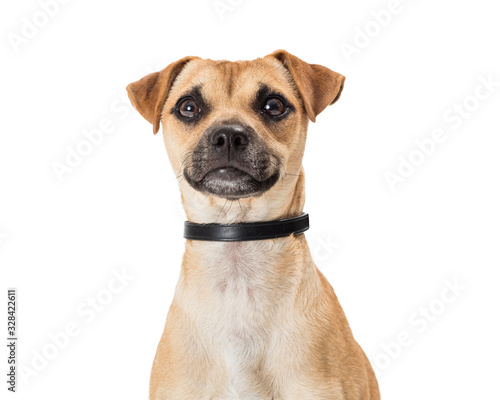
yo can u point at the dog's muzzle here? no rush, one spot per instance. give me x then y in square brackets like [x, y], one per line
[232, 161]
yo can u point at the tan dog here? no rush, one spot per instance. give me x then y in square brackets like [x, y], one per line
[250, 320]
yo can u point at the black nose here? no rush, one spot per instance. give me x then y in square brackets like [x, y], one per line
[230, 140]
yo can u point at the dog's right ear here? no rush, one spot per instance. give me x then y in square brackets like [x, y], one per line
[148, 95]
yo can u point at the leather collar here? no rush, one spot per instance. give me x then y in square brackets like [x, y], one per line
[242, 232]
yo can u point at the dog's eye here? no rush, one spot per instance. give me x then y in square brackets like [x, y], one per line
[188, 108]
[274, 107]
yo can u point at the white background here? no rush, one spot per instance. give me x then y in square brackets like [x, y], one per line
[387, 253]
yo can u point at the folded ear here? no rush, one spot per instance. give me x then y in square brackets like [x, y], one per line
[317, 85]
[148, 95]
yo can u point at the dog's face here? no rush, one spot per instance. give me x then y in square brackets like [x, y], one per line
[233, 129]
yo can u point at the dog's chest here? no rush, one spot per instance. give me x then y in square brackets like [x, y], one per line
[244, 294]
[242, 283]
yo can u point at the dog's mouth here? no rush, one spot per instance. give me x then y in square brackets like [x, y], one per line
[231, 182]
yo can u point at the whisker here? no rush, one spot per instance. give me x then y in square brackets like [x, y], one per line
[263, 76]
[221, 210]
[230, 205]
[204, 198]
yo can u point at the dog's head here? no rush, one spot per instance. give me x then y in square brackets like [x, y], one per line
[234, 129]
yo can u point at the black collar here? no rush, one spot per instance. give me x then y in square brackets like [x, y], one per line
[246, 231]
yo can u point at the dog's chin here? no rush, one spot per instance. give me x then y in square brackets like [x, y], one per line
[232, 183]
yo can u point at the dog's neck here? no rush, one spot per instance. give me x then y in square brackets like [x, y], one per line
[249, 266]
[285, 200]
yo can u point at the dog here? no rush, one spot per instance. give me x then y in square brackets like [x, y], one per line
[255, 319]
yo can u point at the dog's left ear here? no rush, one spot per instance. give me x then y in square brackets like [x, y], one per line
[148, 95]
[317, 85]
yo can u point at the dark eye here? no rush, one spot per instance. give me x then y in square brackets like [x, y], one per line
[188, 108]
[274, 107]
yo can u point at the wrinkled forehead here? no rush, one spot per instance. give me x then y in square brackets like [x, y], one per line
[222, 81]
